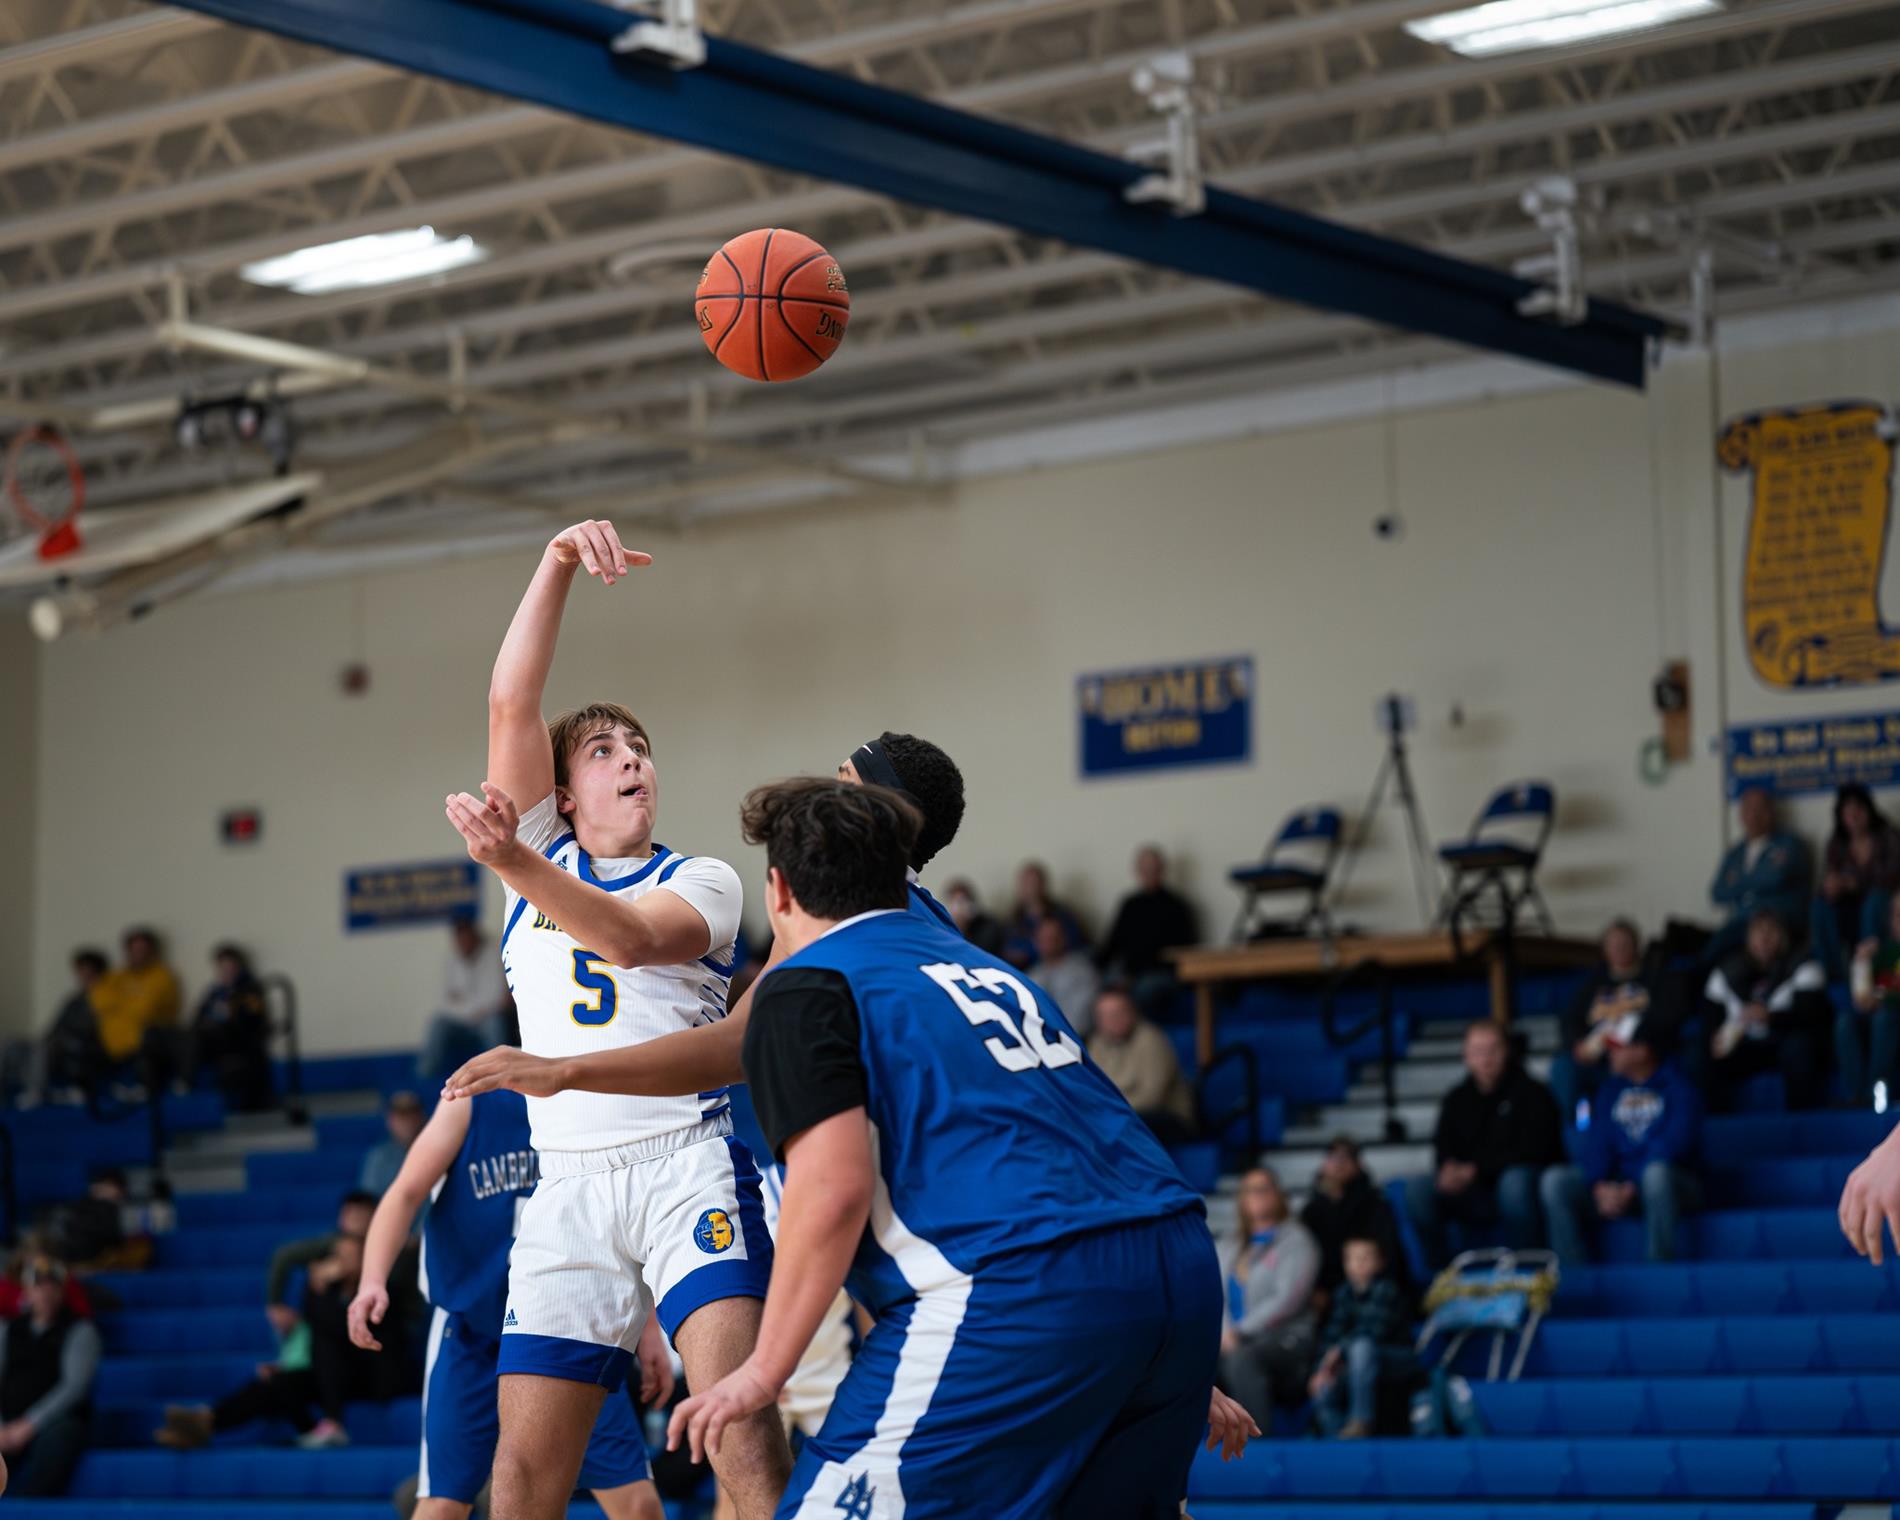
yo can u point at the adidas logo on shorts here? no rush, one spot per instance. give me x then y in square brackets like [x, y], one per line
[510, 1323]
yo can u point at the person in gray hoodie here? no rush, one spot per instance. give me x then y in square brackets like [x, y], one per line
[1269, 1264]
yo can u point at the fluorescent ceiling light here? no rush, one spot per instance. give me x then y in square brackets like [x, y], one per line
[382, 258]
[1510, 26]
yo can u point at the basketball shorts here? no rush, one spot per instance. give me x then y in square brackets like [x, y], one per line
[609, 1237]
[1070, 1381]
[460, 1423]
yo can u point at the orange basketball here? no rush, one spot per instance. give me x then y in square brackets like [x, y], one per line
[772, 305]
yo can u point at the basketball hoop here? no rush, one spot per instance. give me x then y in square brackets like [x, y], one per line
[46, 488]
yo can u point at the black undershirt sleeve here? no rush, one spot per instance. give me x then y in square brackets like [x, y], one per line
[801, 1055]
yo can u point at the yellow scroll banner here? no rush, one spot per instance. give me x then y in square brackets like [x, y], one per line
[1819, 509]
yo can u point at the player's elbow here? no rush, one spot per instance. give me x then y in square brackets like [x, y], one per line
[629, 947]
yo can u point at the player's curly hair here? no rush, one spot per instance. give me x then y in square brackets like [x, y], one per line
[935, 785]
[840, 848]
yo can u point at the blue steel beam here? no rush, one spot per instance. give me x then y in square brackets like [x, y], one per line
[755, 105]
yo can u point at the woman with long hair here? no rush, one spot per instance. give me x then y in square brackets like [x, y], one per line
[1269, 1264]
[1859, 874]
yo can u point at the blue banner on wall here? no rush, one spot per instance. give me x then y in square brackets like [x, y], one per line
[429, 892]
[1815, 754]
[1196, 713]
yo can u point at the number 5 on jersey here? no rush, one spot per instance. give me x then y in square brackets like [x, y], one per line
[593, 974]
[1028, 1043]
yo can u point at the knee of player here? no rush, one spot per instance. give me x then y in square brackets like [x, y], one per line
[633, 1501]
[755, 1444]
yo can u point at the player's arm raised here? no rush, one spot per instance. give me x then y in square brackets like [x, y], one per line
[432, 1154]
[519, 759]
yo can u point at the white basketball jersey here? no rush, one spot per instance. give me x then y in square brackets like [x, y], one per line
[572, 1002]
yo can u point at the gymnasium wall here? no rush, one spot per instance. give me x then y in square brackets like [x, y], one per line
[1551, 558]
[19, 759]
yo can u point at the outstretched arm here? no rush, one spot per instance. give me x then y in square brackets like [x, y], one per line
[519, 760]
[429, 1158]
[674, 1066]
[1870, 1203]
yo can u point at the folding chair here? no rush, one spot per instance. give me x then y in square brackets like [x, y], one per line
[1299, 859]
[1499, 858]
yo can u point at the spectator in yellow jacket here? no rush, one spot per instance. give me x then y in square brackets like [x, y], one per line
[139, 996]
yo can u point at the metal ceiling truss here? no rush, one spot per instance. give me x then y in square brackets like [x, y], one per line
[142, 146]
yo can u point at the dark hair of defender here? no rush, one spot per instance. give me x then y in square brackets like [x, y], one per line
[935, 785]
[842, 849]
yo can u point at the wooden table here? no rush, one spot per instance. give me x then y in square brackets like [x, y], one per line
[1205, 968]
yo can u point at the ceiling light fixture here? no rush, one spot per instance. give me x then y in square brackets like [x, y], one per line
[381, 258]
[1510, 26]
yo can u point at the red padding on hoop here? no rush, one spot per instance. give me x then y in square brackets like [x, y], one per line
[61, 541]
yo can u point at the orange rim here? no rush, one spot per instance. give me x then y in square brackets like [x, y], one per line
[30, 513]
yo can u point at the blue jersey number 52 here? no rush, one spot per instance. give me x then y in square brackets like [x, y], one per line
[1015, 1047]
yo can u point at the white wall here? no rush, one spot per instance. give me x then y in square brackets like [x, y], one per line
[1526, 591]
[19, 710]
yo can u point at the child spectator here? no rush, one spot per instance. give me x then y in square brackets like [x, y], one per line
[137, 1005]
[1497, 1131]
[1033, 905]
[1860, 871]
[231, 1033]
[403, 1118]
[1346, 1204]
[1067, 974]
[1269, 1265]
[1867, 1031]
[1767, 871]
[1367, 1339]
[1770, 1011]
[49, 1358]
[1619, 990]
[1636, 1156]
[1139, 1059]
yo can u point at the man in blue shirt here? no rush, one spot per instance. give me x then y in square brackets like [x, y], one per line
[1636, 1155]
[993, 1200]
[1767, 870]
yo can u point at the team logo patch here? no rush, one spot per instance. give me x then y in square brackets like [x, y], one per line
[855, 1500]
[713, 1233]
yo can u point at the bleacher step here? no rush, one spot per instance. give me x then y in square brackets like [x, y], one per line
[1364, 1122]
[1426, 1079]
[1297, 1170]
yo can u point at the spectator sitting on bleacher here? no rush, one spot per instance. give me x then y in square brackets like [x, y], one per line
[1269, 1265]
[137, 1008]
[1140, 1060]
[1367, 1338]
[974, 922]
[1033, 905]
[1766, 870]
[67, 1061]
[1768, 1006]
[91, 1233]
[230, 1036]
[1067, 974]
[471, 1012]
[49, 1358]
[1867, 1030]
[318, 1374]
[1619, 989]
[1637, 1154]
[352, 1219]
[404, 1119]
[1149, 922]
[1346, 1204]
[1497, 1131]
[1860, 871]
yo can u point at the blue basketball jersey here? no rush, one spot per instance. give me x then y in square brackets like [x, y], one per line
[930, 910]
[994, 1132]
[471, 1223]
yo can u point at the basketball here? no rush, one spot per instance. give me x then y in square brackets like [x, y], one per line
[772, 305]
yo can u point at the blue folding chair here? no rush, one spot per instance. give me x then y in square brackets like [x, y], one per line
[1499, 858]
[1299, 859]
